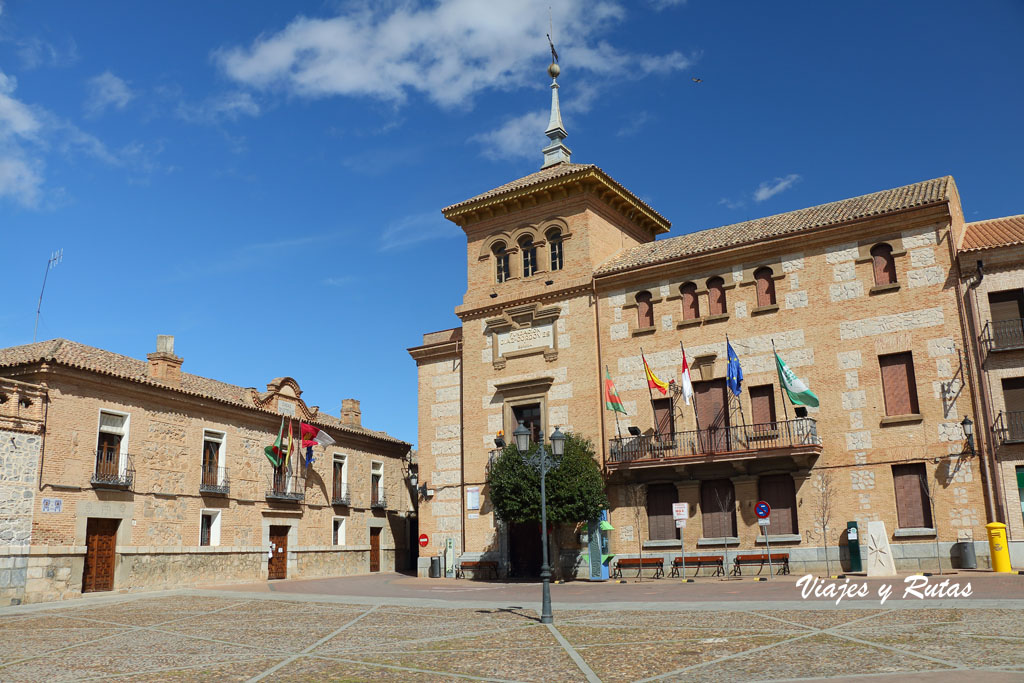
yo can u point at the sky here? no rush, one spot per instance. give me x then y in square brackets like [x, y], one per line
[264, 180]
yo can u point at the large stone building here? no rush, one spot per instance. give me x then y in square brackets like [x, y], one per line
[991, 260]
[567, 279]
[122, 474]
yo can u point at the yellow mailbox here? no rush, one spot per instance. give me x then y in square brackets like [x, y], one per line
[998, 548]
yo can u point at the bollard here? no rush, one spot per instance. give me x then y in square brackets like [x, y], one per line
[998, 548]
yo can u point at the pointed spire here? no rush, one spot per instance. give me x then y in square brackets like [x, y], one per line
[556, 152]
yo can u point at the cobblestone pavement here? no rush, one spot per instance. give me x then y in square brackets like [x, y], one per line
[224, 635]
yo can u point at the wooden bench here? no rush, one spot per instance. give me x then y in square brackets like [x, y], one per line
[476, 567]
[640, 563]
[697, 562]
[761, 559]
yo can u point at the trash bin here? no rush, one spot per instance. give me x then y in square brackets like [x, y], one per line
[968, 560]
[435, 567]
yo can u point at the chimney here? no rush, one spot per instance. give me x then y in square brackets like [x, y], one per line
[163, 365]
[350, 414]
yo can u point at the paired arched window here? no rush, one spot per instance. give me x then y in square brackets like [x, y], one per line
[500, 262]
[644, 310]
[691, 306]
[716, 296]
[765, 286]
[883, 264]
[529, 256]
[555, 242]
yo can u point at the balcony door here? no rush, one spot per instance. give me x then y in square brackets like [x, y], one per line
[1013, 400]
[712, 414]
[1007, 309]
[529, 415]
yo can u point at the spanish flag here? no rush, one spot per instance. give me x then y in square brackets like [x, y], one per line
[652, 380]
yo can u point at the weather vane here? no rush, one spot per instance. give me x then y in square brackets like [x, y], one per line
[553, 70]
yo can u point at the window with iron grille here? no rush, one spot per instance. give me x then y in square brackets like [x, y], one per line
[113, 431]
[377, 483]
[212, 465]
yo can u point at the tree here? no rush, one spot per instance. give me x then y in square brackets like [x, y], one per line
[636, 499]
[822, 511]
[574, 485]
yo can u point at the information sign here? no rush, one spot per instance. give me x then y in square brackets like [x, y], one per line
[764, 521]
[680, 511]
[680, 523]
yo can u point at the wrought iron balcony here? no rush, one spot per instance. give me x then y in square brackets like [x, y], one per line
[1003, 335]
[286, 486]
[1009, 427]
[493, 455]
[378, 499]
[113, 470]
[784, 437]
[340, 495]
[214, 481]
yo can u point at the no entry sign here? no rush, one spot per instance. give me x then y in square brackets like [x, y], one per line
[424, 540]
[762, 509]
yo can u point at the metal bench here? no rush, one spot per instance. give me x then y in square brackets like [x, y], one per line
[697, 562]
[640, 563]
[761, 559]
[475, 567]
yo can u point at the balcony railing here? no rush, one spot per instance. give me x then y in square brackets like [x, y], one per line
[378, 499]
[214, 481]
[113, 470]
[800, 435]
[339, 495]
[493, 455]
[1009, 427]
[1003, 335]
[286, 486]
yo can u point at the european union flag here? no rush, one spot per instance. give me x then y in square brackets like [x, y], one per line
[734, 373]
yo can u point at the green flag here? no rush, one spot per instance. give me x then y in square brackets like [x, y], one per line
[799, 394]
[274, 453]
[611, 398]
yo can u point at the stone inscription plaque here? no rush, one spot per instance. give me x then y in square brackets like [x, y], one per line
[539, 336]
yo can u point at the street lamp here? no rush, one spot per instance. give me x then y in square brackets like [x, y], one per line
[539, 461]
[968, 428]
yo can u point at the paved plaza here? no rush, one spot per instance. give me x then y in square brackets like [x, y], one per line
[397, 628]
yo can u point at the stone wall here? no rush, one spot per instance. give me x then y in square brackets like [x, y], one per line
[19, 461]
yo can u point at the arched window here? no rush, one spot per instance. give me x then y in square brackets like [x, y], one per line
[500, 262]
[884, 265]
[644, 310]
[716, 296]
[555, 241]
[765, 286]
[529, 256]
[691, 306]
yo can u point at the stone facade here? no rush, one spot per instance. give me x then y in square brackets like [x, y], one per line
[830, 323]
[50, 489]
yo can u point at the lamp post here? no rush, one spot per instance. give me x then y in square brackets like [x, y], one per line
[539, 461]
[968, 428]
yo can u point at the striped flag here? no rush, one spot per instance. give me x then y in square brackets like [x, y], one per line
[685, 383]
[274, 452]
[799, 394]
[611, 399]
[652, 380]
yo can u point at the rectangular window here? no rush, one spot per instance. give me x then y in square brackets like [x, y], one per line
[718, 508]
[213, 461]
[1007, 311]
[529, 415]
[762, 407]
[660, 525]
[1013, 404]
[898, 383]
[779, 492]
[913, 509]
[377, 484]
[338, 536]
[209, 527]
[340, 484]
[664, 424]
[113, 434]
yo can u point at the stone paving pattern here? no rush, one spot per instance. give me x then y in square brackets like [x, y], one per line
[218, 636]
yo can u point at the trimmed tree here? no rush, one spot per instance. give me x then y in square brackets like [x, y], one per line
[574, 486]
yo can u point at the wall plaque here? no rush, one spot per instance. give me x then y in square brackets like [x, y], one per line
[541, 335]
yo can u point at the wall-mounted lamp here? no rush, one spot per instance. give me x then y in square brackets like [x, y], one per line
[425, 491]
[968, 428]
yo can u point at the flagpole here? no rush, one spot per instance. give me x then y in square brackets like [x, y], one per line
[775, 353]
[739, 401]
[696, 420]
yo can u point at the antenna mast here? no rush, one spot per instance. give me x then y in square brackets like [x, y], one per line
[55, 258]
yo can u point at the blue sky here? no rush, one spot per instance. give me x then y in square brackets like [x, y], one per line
[264, 180]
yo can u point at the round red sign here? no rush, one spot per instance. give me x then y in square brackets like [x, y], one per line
[424, 540]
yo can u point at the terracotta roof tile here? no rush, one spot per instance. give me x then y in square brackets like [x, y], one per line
[73, 354]
[996, 232]
[835, 213]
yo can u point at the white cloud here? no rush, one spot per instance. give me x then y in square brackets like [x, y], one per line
[448, 51]
[107, 90]
[19, 181]
[730, 204]
[520, 137]
[226, 106]
[769, 189]
[417, 228]
[16, 118]
[660, 5]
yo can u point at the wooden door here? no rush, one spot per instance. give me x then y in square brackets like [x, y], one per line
[664, 425]
[375, 549]
[277, 561]
[718, 508]
[912, 504]
[660, 524]
[713, 415]
[100, 546]
[779, 492]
